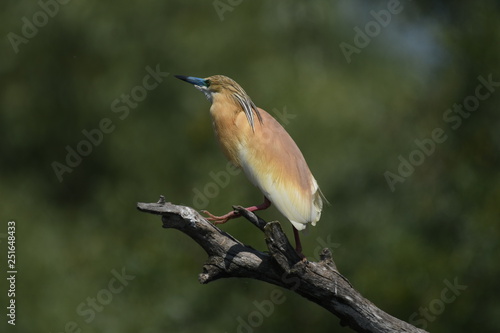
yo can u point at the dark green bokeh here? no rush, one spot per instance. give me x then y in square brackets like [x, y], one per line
[352, 121]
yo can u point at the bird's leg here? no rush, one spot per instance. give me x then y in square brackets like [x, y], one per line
[231, 215]
[298, 245]
[266, 204]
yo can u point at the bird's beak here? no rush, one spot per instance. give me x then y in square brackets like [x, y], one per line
[193, 80]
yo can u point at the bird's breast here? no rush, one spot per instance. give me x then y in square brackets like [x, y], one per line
[230, 131]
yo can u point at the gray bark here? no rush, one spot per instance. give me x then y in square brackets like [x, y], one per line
[319, 282]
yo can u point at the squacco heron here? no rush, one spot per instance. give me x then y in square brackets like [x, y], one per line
[254, 141]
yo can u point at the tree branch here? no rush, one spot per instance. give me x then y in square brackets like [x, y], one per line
[319, 282]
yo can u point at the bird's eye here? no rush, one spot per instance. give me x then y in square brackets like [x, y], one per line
[207, 83]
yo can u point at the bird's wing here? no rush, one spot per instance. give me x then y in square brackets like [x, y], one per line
[273, 162]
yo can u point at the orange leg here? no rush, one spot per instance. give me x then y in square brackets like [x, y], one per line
[231, 215]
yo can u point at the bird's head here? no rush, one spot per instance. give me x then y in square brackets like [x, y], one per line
[203, 85]
[220, 84]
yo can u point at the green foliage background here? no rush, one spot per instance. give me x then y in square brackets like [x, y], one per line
[351, 120]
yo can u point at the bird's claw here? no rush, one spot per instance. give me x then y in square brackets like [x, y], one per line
[220, 219]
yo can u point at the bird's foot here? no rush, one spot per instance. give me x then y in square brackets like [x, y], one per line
[302, 256]
[234, 214]
[220, 219]
[298, 249]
